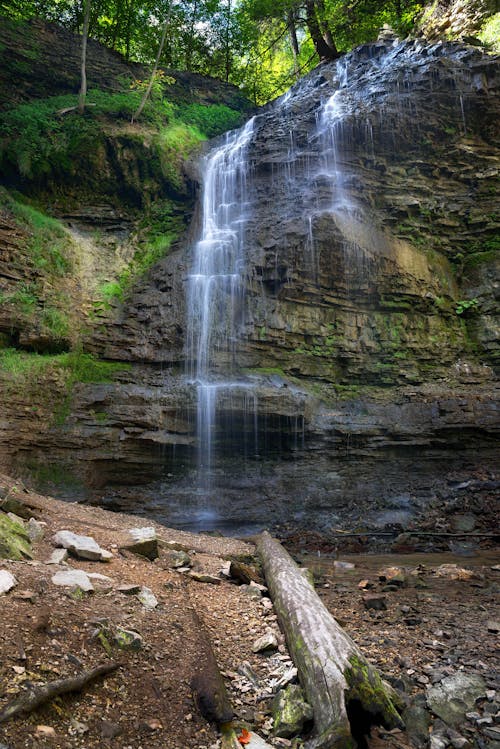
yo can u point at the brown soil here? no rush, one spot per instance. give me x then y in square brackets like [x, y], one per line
[47, 633]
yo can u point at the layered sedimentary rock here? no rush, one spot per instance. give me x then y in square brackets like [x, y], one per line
[368, 325]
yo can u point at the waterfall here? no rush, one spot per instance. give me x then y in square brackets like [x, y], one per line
[216, 284]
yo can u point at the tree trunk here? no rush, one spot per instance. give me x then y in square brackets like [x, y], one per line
[345, 692]
[324, 50]
[227, 42]
[292, 31]
[83, 85]
[153, 73]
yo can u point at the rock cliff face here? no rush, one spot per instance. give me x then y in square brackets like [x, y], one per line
[368, 334]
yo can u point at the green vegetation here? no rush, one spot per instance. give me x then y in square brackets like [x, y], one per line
[175, 142]
[466, 306]
[490, 33]
[259, 45]
[48, 245]
[46, 136]
[31, 373]
[22, 367]
[211, 120]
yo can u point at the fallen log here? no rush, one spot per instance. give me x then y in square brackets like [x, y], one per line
[208, 686]
[28, 703]
[345, 692]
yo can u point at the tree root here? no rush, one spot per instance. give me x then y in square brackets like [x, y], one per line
[28, 703]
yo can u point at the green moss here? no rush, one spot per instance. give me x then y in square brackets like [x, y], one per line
[32, 373]
[366, 687]
[14, 540]
[174, 144]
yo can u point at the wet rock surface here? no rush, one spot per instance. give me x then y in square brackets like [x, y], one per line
[371, 390]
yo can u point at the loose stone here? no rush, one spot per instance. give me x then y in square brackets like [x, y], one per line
[7, 581]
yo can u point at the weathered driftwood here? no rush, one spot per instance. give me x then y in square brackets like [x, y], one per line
[38, 696]
[345, 692]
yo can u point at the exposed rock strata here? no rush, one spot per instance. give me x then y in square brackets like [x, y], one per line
[335, 306]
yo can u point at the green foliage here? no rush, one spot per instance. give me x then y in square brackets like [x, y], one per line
[466, 305]
[56, 321]
[490, 33]
[37, 140]
[174, 143]
[76, 366]
[49, 250]
[210, 119]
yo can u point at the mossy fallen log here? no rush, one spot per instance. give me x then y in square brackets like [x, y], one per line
[345, 692]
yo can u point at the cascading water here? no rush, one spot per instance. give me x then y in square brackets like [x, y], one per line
[215, 286]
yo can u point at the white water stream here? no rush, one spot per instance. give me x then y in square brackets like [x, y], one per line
[215, 284]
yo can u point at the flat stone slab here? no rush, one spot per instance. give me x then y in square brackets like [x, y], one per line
[7, 581]
[73, 579]
[84, 547]
[452, 697]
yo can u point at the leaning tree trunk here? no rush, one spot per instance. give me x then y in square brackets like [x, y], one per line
[345, 692]
[83, 59]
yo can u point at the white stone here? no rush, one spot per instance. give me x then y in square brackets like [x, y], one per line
[147, 598]
[143, 534]
[7, 581]
[58, 556]
[73, 579]
[84, 547]
[266, 642]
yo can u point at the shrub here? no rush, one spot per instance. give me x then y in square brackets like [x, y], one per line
[210, 119]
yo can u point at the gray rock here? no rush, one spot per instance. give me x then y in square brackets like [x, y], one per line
[129, 590]
[265, 643]
[84, 547]
[438, 742]
[58, 556]
[143, 542]
[256, 742]
[493, 627]
[290, 711]
[375, 601]
[7, 581]
[251, 592]
[202, 577]
[454, 696]
[175, 559]
[463, 522]
[73, 579]
[147, 598]
[127, 639]
[102, 582]
[417, 721]
[36, 529]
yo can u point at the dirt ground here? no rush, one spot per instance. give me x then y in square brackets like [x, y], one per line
[430, 626]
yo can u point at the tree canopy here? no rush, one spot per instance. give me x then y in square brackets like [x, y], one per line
[260, 45]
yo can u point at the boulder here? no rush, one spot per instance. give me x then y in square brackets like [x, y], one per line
[14, 539]
[452, 697]
[73, 579]
[84, 547]
[143, 541]
[290, 711]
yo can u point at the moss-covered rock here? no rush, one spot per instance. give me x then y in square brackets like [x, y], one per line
[290, 711]
[14, 539]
